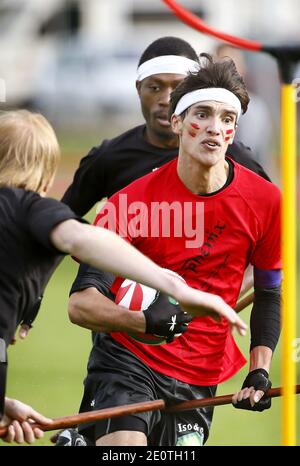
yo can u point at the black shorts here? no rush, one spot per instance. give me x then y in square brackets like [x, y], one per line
[117, 377]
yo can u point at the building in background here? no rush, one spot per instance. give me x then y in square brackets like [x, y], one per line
[76, 59]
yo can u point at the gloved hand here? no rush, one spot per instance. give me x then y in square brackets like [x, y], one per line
[250, 396]
[164, 318]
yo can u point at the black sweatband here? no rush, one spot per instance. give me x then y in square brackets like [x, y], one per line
[265, 317]
[31, 313]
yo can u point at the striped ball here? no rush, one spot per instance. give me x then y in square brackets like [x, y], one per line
[137, 297]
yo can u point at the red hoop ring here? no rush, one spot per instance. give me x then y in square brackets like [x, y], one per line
[192, 20]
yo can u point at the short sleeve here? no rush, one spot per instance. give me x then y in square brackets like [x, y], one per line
[41, 215]
[88, 186]
[267, 252]
[89, 277]
[114, 215]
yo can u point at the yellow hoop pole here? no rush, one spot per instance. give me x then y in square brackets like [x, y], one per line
[289, 253]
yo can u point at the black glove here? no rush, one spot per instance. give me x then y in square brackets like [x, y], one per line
[164, 318]
[259, 379]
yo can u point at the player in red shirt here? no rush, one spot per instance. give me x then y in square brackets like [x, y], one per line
[207, 218]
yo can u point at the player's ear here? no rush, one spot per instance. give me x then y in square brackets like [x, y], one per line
[176, 123]
[138, 87]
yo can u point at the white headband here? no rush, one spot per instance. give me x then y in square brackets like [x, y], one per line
[166, 64]
[218, 94]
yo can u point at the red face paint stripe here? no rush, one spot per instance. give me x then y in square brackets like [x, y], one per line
[195, 126]
[229, 131]
[192, 134]
[227, 139]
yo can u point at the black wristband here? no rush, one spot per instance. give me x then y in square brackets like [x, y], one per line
[32, 313]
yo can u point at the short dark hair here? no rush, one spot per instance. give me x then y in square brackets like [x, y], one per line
[219, 73]
[168, 46]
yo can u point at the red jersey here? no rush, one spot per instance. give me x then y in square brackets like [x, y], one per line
[240, 225]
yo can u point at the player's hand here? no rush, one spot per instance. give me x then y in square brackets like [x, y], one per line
[250, 396]
[165, 318]
[18, 417]
[22, 333]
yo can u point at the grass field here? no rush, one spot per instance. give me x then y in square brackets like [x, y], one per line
[48, 368]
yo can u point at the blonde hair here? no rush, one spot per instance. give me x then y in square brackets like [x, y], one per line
[29, 151]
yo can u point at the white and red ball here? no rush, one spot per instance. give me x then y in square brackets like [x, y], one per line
[136, 297]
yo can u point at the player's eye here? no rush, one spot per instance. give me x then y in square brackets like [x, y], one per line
[201, 115]
[228, 119]
[154, 88]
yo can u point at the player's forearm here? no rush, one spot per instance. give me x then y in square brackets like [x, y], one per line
[91, 310]
[103, 249]
[260, 358]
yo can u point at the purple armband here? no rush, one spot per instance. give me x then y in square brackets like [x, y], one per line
[267, 278]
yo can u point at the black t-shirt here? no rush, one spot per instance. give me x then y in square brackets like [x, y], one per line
[27, 260]
[114, 164]
[27, 257]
